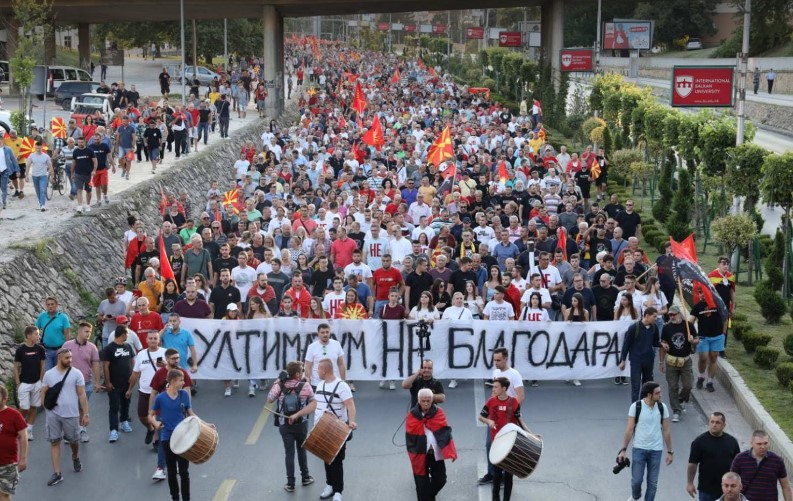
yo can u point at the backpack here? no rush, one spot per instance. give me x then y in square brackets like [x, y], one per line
[639, 411]
[291, 402]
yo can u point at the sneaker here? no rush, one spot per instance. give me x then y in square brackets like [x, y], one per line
[710, 387]
[107, 201]
[43, 209]
[71, 197]
[21, 195]
[87, 208]
[289, 488]
[576, 382]
[30, 433]
[307, 480]
[683, 406]
[55, 479]
[159, 474]
[352, 386]
[700, 382]
[617, 380]
[84, 438]
[382, 385]
[534, 383]
[391, 386]
[149, 436]
[78, 466]
[337, 496]
[723, 354]
[453, 384]
[252, 391]
[676, 417]
[113, 436]
[326, 493]
[486, 479]
[126, 427]
[79, 209]
[227, 392]
[624, 381]
[236, 383]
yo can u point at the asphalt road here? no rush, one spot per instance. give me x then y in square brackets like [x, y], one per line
[582, 429]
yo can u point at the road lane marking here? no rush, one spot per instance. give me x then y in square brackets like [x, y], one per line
[258, 427]
[224, 491]
[479, 401]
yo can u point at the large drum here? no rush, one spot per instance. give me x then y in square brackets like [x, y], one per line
[327, 437]
[516, 451]
[194, 440]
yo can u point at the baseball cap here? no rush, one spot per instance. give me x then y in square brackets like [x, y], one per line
[122, 319]
[232, 307]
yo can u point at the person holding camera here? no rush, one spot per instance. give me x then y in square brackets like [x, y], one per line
[421, 379]
[648, 426]
[295, 400]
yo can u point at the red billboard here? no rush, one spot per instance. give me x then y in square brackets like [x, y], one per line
[410, 28]
[383, 26]
[438, 29]
[582, 60]
[475, 33]
[509, 39]
[704, 86]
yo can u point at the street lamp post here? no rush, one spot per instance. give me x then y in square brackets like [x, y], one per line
[597, 41]
[743, 59]
[181, 34]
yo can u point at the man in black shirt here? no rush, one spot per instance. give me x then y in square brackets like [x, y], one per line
[711, 333]
[614, 207]
[677, 339]
[605, 297]
[100, 178]
[28, 372]
[84, 166]
[223, 295]
[422, 378]
[417, 282]
[204, 118]
[223, 262]
[629, 221]
[117, 359]
[712, 452]
[222, 108]
[459, 277]
[152, 137]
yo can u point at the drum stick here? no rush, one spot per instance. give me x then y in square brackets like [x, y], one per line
[276, 413]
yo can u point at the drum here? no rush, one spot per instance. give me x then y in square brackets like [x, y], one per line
[516, 451]
[194, 440]
[327, 437]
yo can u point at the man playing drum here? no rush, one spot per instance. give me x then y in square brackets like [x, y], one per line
[334, 396]
[499, 410]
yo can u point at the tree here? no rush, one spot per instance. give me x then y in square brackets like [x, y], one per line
[716, 138]
[676, 18]
[580, 28]
[777, 188]
[665, 192]
[769, 27]
[744, 172]
[679, 222]
[734, 232]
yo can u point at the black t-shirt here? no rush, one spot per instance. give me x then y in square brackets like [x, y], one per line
[143, 260]
[221, 263]
[583, 179]
[120, 358]
[459, 278]
[30, 359]
[203, 115]
[597, 245]
[178, 220]
[419, 383]
[84, 161]
[221, 298]
[714, 456]
[153, 137]
[322, 281]
[604, 301]
[613, 209]
[676, 337]
[101, 151]
[628, 223]
[708, 320]
[214, 251]
[418, 284]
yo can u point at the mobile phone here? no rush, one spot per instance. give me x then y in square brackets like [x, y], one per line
[159, 360]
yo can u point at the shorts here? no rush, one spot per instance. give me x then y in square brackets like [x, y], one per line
[193, 132]
[62, 428]
[29, 395]
[260, 104]
[603, 179]
[711, 344]
[154, 154]
[122, 152]
[143, 404]
[82, 182]
[9, 478]
[21, 174]
[100, 178]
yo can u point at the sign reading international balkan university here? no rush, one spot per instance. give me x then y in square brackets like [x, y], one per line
[509, 39]
[706, 86]
[581, 60]
[475, 33]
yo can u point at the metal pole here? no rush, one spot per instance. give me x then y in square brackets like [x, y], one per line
[225, 46]
[597, 40]
[195, 50]
[744, 63]
[390, 34]
[181, 29]
[487, 28]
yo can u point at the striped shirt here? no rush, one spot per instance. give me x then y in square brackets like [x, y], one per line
[759, 479]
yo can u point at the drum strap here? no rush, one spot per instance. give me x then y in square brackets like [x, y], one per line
[328, 402]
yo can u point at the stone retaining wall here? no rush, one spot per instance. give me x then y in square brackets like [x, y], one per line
[82, 257]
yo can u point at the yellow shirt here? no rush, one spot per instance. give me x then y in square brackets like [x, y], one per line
[536, 144]
[15, 145]
[428, 192]
[213, 96]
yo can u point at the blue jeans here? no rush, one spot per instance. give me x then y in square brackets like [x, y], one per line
[68, 169]
[40, 184]
[652, 461]
[89, 390]
[378, 307]
[491, 470]
[203, 131]
[160, 452]
[52, 358]
[4, 185]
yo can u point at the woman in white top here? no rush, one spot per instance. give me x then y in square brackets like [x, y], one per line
[626, 310]
[40, 168]
[425, 310]
[653, 296]
[472, 300]
[287, 265]
[534, 312]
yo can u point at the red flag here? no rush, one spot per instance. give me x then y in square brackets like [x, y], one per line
[561, 241]
[359, 121]
[432, 72]
[359, 100]
[421, 63]
[441, 150]
[395, 79]
[502, 171]
[686, 249]
[166, 272]
[163, 202]
[374, 136]
[342, 122]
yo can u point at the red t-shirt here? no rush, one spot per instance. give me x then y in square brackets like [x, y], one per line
[384, 280]
[342, 250]
[160, 380]
[11, 423]
[497, 410]
[142, 324]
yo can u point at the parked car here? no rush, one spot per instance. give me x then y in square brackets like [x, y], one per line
[57, 75]
[204, 75]
[88, 103]
[694, 44]
[5, 71]
[72, 88]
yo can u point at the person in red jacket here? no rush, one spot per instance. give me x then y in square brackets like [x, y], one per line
[301, 297]
[513, 294]
[429, 442]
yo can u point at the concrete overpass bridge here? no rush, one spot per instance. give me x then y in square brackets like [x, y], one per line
[83, 13]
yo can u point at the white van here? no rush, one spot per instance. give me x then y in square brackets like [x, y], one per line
[57, 74]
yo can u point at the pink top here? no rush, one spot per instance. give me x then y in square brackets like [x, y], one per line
[83, 357]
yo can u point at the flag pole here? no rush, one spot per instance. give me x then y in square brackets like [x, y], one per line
[683, 305]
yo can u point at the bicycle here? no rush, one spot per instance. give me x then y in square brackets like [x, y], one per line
[58, 181]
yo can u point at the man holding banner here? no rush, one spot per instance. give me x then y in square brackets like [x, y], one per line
[641, 339]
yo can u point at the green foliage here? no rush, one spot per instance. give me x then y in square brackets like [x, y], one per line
[591, 124]
[654, 125]
[674, 18]
[489, 83]
[769, 27]
[611, 106]
[678, 223]
[777, 183]
[773, 262]
[642, 170]
[716, 137]
[766, 357]
[661, 207]
[784, 373]
[752, 340]
[787, 344]
[671, 127]
[621, 161]
[734, 231]
[618, 143]
[772, 306]
[688, 137]
[744, 171]
[637, 120]
[603, 85]
[608, 141]
[739, 328]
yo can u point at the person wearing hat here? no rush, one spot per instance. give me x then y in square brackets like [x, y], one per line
[678, 341]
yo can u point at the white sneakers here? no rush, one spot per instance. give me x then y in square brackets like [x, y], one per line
[227, 392]
[326, 493]
[453, 384]
[159, 474]
[337, 496]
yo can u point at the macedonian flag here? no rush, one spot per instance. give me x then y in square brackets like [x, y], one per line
[374, 136]
[441, 150]
[358, 100]
[58, 128]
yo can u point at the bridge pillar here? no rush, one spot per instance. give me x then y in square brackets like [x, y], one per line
[50, 46]
[84, 45]
[273, 55]
[552, 30]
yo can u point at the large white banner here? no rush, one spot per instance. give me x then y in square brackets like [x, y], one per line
[376, 349]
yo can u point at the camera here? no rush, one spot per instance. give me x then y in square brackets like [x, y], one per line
[423, 329]
[621, 465]
[283, 376]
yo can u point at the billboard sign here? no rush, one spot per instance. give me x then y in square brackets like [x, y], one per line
[510, 39]
[628, 35]
[703, 86]
[439, 29]
[582, 60]
[383, 26]
[410, 28]
[475, 33]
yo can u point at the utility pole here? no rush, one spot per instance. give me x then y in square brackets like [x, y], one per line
[183, 76]
[449, 33]
[743, 63]
[487, 28]
[597, 41]
[225, 46]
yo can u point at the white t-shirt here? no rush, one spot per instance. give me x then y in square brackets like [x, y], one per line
[424, 314]
[499, 311]
[362, 271]
[315, 353]
[241, 167]
[146, 364]
[484, 234]
[534, 315]
[243, 280]
[545, 296]
[399, 250]
[457, 313]
[551, 277]
[332, 302]
[637, 300]
[330, 400]
[515, 381]
[373, 250]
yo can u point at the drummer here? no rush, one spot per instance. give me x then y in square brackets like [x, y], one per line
[334, 395]
[499, 410]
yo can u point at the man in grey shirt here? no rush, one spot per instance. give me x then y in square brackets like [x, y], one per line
[71, 411]
[125, 142]
[110, 309]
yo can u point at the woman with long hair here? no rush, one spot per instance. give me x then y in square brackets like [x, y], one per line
[533, 311]
[295, 247]
[425, 309]
[493, 280]
[351, 309]
[425, 243]
[257, 308]
[315, 309]
[287, 265]
[303, 268]
[653, 296]
[472, 300]
[168, 298]
[439, 294]
[577, 312]
[626, 310]
[202, 286]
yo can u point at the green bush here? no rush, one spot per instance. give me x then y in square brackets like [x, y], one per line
[489, 83]
[784, 373]
[772, 306]
[766, 357]
[752, 340]
[740, 328]
[774, 277]
[787, 344]
[740, 317]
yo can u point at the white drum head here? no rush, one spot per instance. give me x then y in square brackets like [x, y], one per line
[508, 428]
[502, 444]
[185, 435]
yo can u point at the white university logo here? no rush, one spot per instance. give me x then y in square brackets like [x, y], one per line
[502, 38]
[684, 84]
[567, 60]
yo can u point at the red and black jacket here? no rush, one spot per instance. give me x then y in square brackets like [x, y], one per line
[416, 440]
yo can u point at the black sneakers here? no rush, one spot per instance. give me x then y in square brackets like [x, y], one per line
[486, 479]
[149, 436]
[78, 466]
[55, 479]
[308, 480]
